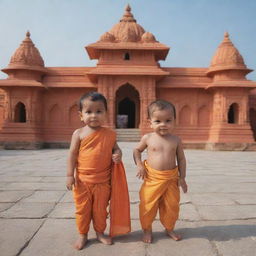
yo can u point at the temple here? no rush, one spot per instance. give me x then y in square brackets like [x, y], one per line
[216, 106]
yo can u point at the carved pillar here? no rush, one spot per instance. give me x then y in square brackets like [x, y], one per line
[104, 89]
[111, 106]
[147, 95]
[219, 117]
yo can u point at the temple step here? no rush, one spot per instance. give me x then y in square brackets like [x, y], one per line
[128, 134]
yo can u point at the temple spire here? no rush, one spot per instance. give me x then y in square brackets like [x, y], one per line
[227, 57]
[128, 16]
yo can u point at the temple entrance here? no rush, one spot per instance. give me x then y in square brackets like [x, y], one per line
[127, 107]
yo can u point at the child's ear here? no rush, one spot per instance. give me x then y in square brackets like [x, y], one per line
[149, 122]
[80, 115]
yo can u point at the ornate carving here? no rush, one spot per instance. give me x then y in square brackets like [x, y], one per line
[107, 37]
[227, 57]
[27, 54]
[127, 30]
[148, 37]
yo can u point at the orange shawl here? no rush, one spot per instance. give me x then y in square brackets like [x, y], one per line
[95, 165]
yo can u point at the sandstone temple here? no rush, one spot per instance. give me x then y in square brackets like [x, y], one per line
[216, 106]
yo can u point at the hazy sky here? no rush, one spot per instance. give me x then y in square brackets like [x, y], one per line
[192, 28]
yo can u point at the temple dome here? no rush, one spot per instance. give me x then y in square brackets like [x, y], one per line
[107, 37]
[127, 30]
[26, 56]
[148, 37]
[227, 57]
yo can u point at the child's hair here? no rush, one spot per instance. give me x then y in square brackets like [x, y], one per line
[93, 96]
[160, 105]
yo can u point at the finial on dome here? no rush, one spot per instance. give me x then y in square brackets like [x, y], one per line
[226, 38]
[28, 34]
[128, 16]
[128, 8]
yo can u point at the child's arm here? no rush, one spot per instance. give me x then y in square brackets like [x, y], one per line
[137, 157]
[182, 167]
[72, 159]
[117, 154]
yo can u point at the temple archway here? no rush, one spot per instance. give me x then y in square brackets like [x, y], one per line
[20, 113]
[127, 107]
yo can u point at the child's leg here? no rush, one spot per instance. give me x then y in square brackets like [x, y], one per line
[169, 210]
[82, 198]
[148, 210]
[101, 196]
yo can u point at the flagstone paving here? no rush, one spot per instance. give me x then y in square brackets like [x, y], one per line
[217, 215]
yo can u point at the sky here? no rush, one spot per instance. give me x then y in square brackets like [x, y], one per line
[193, 29]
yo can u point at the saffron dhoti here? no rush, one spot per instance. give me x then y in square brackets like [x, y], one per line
[159, 191]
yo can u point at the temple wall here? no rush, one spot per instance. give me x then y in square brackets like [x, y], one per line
[193, 112]
[117, 57]
[2, 107]
[60, 114]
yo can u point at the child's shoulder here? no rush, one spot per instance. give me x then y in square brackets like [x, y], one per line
[147, 136]
[77, 133]
[175, 137]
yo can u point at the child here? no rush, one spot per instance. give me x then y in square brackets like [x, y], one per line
[93, 177]
[160, 172]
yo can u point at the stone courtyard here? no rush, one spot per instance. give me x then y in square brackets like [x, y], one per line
[217, 217]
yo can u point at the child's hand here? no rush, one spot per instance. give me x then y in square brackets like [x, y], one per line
[183, 184]
[141, 174]
[116, 158]
[70, 182]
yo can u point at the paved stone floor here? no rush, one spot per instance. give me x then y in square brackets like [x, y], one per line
[217, 218]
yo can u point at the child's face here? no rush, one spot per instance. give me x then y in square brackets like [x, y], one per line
[93, 113]
[162, 121]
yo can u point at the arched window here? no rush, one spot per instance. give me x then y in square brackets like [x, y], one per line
[233, 114]
[74, 118]
[126, 56]
[185, 116]
[55, 114]
[203, 116]
[20, 113]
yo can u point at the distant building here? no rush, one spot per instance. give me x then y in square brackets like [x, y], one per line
[216, 106]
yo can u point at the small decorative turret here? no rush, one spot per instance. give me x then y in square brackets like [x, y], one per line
[107, 37]
[148, 37]
[227, 58]
[26, 57]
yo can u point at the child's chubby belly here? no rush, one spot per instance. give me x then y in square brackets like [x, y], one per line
[162, 160]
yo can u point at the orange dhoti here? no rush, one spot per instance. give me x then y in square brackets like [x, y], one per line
[159, 191]
[96, 185]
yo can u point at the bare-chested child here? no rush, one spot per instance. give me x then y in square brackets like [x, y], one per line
[162, 171]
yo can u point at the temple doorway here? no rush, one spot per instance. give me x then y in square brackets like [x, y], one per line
[127, 107]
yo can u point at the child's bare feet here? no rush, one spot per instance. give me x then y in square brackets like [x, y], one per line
[173, 235]
[103, 238]
[147, 236]
[80, 242]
